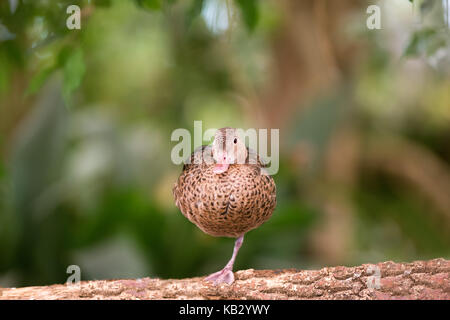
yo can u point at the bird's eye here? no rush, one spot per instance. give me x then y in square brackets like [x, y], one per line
[235, 141]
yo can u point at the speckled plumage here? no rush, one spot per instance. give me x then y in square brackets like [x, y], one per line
[227, 204]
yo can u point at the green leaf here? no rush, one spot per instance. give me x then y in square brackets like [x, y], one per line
[150, 4]
[74, 70]
[415, 46]
[424, 6]
[194, 11]
[425, 42]
[103, 3]
[38, 80]
[250, 14]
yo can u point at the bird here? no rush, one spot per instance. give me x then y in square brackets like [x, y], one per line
[226, 191]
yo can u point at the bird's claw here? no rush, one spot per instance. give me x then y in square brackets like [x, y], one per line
[223, 276]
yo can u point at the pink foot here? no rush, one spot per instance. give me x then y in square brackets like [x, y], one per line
[223, 276]
[226, 274]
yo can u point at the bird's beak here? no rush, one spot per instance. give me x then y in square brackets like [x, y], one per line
[221, 166]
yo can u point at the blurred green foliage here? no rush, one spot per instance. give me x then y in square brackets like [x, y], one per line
[86, 117]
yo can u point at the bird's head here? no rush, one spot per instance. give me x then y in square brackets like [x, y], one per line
[227, 148]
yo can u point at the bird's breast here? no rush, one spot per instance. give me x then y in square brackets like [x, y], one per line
[226, 204]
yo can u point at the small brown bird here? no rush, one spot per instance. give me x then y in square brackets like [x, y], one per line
[225, 191]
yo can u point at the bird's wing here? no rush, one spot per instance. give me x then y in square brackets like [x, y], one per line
[202, 154]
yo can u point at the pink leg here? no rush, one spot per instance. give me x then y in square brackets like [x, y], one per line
[226, 274]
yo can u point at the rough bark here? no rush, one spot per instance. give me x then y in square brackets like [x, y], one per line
[416, 280]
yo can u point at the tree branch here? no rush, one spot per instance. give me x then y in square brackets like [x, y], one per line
[416, 280]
